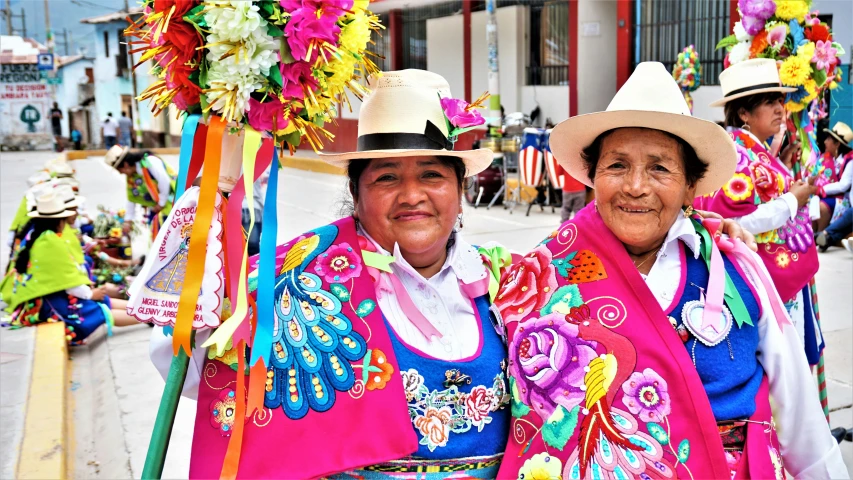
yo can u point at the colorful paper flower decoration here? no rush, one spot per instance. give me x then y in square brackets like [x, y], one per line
[280, 66]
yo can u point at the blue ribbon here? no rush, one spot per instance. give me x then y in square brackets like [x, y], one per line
[262, 343]
[187, 139]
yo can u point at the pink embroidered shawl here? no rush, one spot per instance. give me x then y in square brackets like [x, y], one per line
[368, 420]
[601, 384]
[788, 252]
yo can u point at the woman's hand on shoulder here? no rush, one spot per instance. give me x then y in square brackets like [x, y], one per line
[732, 229]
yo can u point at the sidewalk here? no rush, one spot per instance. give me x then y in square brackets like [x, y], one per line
[16, 363]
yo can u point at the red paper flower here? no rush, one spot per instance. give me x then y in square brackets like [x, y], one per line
[181, 6]
[818, 32]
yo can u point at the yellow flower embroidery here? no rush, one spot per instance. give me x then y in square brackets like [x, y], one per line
[739, 188]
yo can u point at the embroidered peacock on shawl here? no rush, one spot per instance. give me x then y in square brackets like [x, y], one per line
[313, 340]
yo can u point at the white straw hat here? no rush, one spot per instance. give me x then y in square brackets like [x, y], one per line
[841, 132]
[402, 117]
[750, 77]
[649, 99]
[71, 199]
[60, 169]
[49, 205]
[39, 177]
[115, 155]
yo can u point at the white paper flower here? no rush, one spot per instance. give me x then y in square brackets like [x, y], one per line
[740, 33]
[739, 53]
[257, 53]
[234, 20]
[229, 86]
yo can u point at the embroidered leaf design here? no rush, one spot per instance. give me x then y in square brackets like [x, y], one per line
[365, 365]
[365, 307]
[559, 427]
[563, 264]
[684, 451]
[518, 408]
[658, 433]
[340, 291]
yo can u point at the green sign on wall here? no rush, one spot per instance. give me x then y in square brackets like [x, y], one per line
[31, 116]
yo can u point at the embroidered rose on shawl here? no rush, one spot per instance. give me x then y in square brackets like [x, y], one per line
[380, 370]
[527, 285]
[478, 405]
[338, 264]
[434, 425]
[547, 359]
[739, 187]
[768, 183]
[646, 394]
[222, 412]
[412, 382]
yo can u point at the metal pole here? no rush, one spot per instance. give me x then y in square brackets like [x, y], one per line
[24, 22]
[135, 105]
[71, 42]
[65, 39]
[49, 34]
[8, 12]
[494, 72]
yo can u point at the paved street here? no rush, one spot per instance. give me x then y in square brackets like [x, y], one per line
[116, 390]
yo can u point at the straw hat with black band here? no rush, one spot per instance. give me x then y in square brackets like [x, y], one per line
[50, 205]
[750, 77]
[649, 99]
[402, 117]
[841, 132]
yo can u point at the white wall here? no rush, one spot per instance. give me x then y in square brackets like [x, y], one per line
[552, 100]
[702, 97]
[596, 54]
[445, 53]
[67, 94]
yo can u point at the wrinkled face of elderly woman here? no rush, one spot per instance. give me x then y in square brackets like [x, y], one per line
[641, 185]
[413, 202]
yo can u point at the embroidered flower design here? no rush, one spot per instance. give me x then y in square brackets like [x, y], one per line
[338, 264]
[527, 285]
[434, 425]
[783, 259]
[222, 412]
[541, 467]
[379, 371]
[739, 187]
[412, 382]
[646, 394]
[478, 405]
[547, 359]
[768, 183]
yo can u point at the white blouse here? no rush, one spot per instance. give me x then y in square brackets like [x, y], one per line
[808, 449]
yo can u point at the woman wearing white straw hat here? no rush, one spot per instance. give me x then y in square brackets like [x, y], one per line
[763, 195]
[150, 184]
[642, 344]
[837, 195]
[49, 282]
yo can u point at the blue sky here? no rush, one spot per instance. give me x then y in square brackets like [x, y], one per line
[63, 14]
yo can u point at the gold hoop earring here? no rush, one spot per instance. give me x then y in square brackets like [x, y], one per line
[746, 127]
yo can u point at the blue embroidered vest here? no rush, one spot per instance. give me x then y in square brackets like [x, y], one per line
[459, 409]
[731, 383]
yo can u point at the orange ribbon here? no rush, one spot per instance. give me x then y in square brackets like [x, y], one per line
[198, 243]
[231, 462]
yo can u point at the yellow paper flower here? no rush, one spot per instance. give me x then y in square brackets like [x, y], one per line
[833, 85]
[792, 9]
[811, 87]
[806, 51]
[794, 107]
[794, 71]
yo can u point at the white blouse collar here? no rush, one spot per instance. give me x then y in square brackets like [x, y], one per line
[683, 230]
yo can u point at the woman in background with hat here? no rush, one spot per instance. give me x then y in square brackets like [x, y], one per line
[150, 184]
[642, 344]
[51, 284]
[763, 195]
[836, 196]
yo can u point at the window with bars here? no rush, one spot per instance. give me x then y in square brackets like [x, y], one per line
[380, 45]
[414, 41]
[548, 62]
[664, 27]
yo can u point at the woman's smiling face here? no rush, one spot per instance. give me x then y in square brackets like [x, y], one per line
[413, 202]
[640, 186]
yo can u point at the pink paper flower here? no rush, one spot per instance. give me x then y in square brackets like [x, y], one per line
[752, 25]
[762, 9]
[776, 37]
[312, 20]
[294, 76]
[261, 115]
[811, 19]
[824, 55]
[459, 117]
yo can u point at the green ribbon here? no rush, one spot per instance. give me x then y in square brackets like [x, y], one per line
[732, 296]
[498, 258]
[377, 260]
